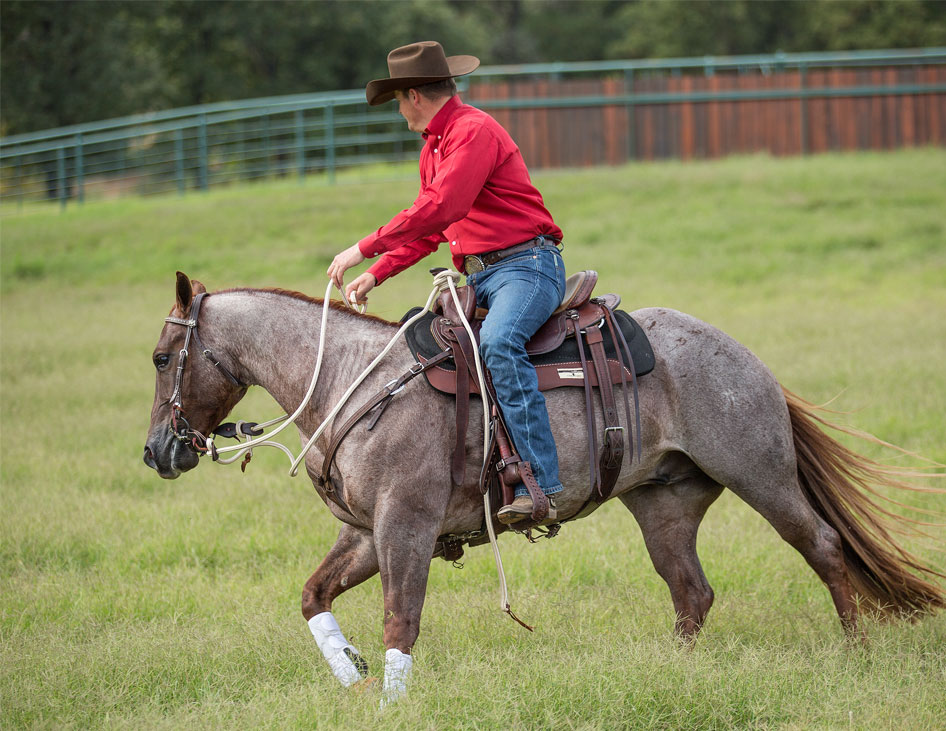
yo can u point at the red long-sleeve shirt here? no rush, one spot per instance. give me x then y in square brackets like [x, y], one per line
[475, 192]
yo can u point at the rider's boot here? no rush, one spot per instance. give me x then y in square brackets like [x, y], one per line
[521, 508]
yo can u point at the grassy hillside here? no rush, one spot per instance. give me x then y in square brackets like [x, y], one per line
[129, 601]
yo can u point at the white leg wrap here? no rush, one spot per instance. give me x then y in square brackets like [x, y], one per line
[397, 672]
[341, 655]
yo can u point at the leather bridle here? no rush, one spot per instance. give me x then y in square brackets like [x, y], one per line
[180, 427]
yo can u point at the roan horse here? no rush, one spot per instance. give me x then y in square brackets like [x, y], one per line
[713, 416]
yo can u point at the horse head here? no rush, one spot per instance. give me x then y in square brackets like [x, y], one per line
[194, 391]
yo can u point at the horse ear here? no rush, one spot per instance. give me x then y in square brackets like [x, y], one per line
[198, 287]
[184, 292]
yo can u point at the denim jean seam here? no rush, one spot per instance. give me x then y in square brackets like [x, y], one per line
[522, 490]
[516, 371]
[532, 295]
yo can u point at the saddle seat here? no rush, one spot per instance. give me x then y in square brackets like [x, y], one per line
[552, 350]
[578, 289]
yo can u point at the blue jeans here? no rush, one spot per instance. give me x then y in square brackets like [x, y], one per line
[520, 293]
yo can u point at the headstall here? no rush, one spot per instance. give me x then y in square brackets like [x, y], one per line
[180, 427]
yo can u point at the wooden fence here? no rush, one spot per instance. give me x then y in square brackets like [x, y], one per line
[695, 115]
[562, 115]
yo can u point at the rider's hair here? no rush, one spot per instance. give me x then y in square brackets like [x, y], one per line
[437, 89]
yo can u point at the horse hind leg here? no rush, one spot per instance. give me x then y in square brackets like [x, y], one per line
[775, 493]
[818, 543]
[669, 516]
[351, 561]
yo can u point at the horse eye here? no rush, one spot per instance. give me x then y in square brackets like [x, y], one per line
[161, 361]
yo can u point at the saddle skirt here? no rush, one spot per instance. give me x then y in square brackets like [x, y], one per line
[553, 351]
[575, 348]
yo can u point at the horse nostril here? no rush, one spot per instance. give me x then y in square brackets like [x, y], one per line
[149, 458]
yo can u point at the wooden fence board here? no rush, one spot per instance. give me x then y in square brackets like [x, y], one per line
[571, 136]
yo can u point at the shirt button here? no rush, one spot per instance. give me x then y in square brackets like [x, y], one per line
[436, 150]
[439, 137]
[453, 243]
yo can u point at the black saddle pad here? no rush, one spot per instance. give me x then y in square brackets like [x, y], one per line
[422, 343]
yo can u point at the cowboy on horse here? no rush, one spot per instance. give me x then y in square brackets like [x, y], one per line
[475, 193]
[715, 416]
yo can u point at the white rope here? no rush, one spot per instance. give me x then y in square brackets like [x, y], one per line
[487, 508]
[265, 440]
[351, 389]
[443, 280]
[362, 309]
[260, 441]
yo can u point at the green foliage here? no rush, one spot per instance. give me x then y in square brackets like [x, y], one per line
[71, 62]
[127, 601]
[65, 62]
[694, 28]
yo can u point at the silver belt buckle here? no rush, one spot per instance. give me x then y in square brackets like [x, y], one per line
[473, 264]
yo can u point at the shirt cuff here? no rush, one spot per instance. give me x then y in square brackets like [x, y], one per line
[368, 248]
[380, 270]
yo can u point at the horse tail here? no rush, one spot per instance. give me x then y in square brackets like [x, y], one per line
[842, 487]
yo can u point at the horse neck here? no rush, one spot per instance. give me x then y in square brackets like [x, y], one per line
[274, 339]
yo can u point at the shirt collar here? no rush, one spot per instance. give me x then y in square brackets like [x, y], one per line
[439, 123]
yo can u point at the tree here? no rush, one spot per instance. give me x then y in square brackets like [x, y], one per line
[68, 62]
[658, 28]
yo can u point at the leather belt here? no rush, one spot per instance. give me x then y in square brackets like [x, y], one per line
[477, 263]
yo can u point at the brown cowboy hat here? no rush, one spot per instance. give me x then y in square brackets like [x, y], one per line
[415, 65]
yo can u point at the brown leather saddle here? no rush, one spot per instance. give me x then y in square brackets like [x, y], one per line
[581, 317]
[586, 343]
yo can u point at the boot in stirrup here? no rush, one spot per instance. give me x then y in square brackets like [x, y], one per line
[521, 509]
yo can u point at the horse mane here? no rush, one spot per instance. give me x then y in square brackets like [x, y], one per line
[293, 294]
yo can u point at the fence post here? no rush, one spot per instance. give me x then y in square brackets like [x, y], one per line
[629, 92]
[80, 171]
[18, 165]
[202, 176]
[300, 145]
[803, 101]
[266, 147]
[61, 174]
[241, 149]
[179, 160]
[330, 142]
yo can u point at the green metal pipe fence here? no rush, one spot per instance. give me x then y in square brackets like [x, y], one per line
[196, 148]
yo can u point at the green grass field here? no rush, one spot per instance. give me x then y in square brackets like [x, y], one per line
[131, 602]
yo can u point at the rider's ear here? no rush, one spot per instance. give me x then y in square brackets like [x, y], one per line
[184, 292]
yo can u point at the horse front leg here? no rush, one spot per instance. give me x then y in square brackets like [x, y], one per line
[404, 546]
[351, 561]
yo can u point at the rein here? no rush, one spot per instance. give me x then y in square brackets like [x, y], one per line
[443, 280]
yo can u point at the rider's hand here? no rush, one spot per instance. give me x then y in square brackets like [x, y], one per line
[350, 257]
[357, 291]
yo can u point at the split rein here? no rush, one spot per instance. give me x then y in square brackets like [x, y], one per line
[254, 433]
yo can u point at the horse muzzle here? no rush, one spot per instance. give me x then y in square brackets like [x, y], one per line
[168, 456]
